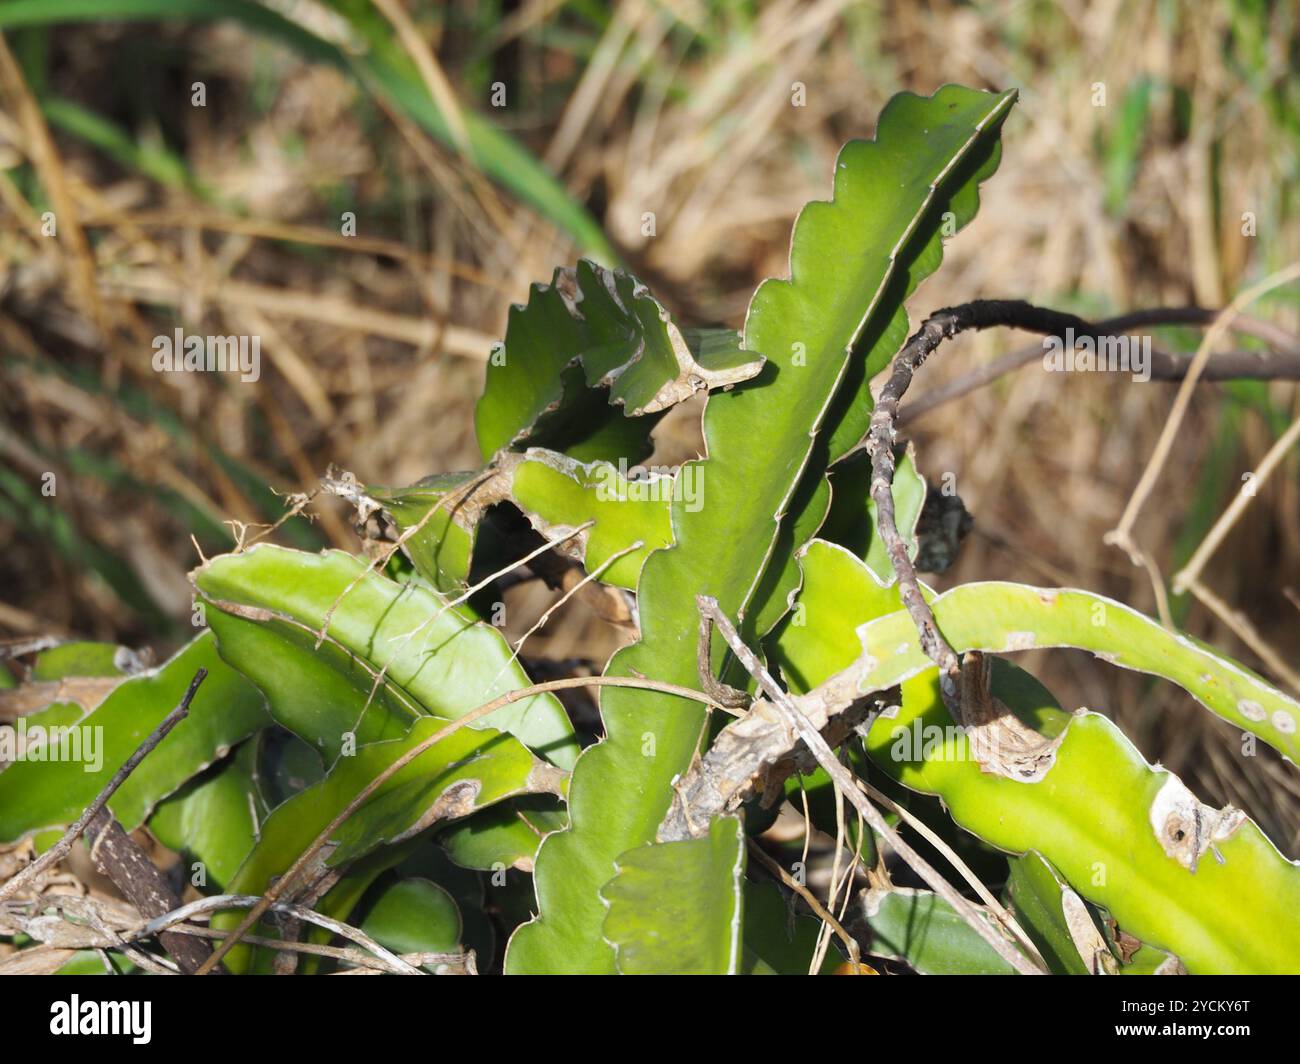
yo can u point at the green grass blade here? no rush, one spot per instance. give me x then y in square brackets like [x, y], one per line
[500, 155]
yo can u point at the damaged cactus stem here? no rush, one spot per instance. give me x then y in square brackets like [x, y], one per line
[843, 780]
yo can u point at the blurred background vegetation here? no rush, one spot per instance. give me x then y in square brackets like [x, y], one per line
[480, 144]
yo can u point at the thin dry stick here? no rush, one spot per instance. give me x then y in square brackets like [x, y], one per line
[822, 913]
[44, 156]
[1246, 632]
[844, 780]
[298, 502]
[98, 935]
[807, 826]
[347, 954]
[509, 698]
[464, 596]
[470, 592]
[938, 327]
[833, 890]
[880, 446]
[1157, 587]
[421, 332]
[141, 958]
[963, 869]
[239, 901]
[1192, 570]
[550, 610]
[856, 863]
[87, 913]
[17, 648]
[60, 849]
[1121, 534]
[422, 263]
[459, 495]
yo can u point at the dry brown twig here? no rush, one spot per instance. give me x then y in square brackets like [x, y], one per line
[92, 923]
[435, 80]
[844, 780]
[464, 596]
[1188, 578]
[61, 848]
[814, 903]
[983, 314]
[1004, 917]
[565, 597]
[940, 326]
[1121, 534]
[45, 158]
[331, 484]
[1283, 363]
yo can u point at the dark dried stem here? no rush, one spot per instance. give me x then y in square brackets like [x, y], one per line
[1283, 363]
[723, 693]
[938, 327]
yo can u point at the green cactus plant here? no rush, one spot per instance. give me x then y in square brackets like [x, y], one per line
[325, 759]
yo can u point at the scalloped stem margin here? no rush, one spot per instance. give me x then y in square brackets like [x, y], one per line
[1203, 883]
[759, 438]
